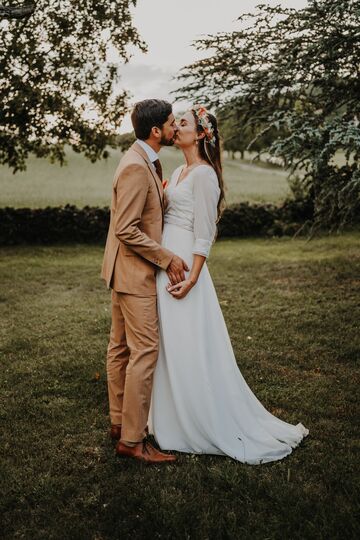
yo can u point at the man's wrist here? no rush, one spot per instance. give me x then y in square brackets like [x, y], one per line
[167, 268]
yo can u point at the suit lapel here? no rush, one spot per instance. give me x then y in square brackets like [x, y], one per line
[137, 148]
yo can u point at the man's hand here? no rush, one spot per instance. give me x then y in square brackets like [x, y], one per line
[175, 270]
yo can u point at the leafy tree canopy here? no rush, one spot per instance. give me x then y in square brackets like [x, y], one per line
[295, 71]
[57, 83]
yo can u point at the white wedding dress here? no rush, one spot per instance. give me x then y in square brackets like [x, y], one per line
[200, 402]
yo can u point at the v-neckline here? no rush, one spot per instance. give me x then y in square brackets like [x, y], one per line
[188, 174]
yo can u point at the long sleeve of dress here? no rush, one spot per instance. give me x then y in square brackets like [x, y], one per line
[206, 196]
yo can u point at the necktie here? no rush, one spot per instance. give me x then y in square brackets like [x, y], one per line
[158, 168]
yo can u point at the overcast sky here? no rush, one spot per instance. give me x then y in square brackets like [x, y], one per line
[169, 27]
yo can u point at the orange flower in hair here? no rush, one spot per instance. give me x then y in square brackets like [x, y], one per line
[204, 121]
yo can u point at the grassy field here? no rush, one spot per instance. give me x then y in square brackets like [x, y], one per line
[291, 311]
[82, 182]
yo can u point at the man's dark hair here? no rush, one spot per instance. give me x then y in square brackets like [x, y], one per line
[147, 114]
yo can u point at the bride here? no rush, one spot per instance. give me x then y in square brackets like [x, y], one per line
[200, 401]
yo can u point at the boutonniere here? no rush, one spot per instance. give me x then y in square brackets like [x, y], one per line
[165, 182]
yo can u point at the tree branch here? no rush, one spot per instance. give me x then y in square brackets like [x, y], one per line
[16, 12]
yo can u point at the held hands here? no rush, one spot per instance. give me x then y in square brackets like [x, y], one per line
[175, 270]
[180, 289]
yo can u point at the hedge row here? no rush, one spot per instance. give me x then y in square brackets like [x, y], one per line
[69, 224]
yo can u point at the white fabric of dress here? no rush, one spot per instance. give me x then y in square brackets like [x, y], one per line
[200, 401]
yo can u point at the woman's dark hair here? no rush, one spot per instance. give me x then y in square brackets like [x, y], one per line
[212, 154]
[149, 113]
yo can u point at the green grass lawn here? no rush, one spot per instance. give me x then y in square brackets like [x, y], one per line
[291, 311]
[82, 182]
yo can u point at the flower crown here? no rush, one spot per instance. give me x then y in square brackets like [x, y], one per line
[203, 119]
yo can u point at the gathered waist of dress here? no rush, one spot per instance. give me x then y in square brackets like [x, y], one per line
[178, 222]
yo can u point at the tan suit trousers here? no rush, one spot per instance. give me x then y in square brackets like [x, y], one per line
[131, 359]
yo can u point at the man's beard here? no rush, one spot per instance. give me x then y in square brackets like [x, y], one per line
[166, 142]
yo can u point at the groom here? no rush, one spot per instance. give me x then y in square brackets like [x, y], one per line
[133, 252]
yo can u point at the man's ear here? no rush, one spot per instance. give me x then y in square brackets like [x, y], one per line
[156, 132]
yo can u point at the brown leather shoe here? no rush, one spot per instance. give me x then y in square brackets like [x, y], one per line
[115, 431]
[144, 452]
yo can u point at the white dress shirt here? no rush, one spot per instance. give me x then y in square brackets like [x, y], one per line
[150, 152]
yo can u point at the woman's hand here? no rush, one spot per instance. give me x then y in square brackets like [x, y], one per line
[181, 289]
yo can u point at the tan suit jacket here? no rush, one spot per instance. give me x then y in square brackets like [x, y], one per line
[133, 248]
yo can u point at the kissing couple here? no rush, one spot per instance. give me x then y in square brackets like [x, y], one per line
[171, 369]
